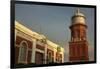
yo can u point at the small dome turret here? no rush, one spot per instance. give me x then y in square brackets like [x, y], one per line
[78, 18]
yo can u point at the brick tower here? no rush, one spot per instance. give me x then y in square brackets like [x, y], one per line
[78, 45]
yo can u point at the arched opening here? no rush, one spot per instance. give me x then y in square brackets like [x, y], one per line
[50, 59]
[23, 52]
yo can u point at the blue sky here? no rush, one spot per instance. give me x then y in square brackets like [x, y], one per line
[54, 22]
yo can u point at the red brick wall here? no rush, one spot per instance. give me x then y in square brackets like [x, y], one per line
[78, 29]
[39, 58]
[48, 50]
[59, 56]
[29, 56]
[78, 51]
[16, 54]
[40, 47]
[18, 41]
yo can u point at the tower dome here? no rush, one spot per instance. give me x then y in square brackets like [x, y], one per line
[78, 18]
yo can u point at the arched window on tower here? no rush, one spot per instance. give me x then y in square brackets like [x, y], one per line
[78, 35]
[23, 52]
[84, 35]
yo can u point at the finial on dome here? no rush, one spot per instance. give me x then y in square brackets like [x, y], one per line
[78, 13]
[78, 10]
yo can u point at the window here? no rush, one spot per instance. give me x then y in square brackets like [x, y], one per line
[23, 52]
[49, 57]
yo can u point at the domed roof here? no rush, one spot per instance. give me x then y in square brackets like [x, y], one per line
[78, 18]
[78, 13]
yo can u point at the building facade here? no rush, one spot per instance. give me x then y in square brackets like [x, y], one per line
[31, 47]
[78, 45]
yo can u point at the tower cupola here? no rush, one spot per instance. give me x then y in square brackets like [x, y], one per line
[78, 18]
